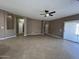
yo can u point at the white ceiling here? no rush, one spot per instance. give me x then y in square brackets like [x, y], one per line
[32, 8]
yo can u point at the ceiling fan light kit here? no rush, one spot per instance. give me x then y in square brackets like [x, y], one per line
[47, 15]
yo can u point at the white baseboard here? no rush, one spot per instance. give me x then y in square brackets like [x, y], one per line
[53, 35]
[34, 34]
[7, 37]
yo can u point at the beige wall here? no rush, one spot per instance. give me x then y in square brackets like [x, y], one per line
[56, 27]
[2, 24]
[4, 33]
[33, 27]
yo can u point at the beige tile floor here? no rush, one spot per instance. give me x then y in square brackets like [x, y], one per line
[38, 47]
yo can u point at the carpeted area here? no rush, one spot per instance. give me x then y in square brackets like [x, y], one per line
[38, 47]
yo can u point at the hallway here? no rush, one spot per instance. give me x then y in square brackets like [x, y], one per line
[38, 47]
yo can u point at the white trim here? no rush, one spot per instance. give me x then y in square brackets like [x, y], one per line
[34, 34]
[25, 27]
[53, 35]
[7, 37]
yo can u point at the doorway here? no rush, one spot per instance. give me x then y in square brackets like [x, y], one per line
[19, 26]
[46, 28]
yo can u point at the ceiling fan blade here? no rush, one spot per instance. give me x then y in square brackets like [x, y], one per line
[52, 12]
[50, 15]
[42, 10]
[42, 14]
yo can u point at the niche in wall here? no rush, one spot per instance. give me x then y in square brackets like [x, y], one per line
[10, 22]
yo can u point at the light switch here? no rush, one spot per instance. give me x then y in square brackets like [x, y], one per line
[2, 27]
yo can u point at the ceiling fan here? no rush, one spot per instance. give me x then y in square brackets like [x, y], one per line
[47, 13]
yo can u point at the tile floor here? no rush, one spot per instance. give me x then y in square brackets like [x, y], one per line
[38, 47]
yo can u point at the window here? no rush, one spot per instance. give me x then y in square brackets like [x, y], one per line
[77, 29]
